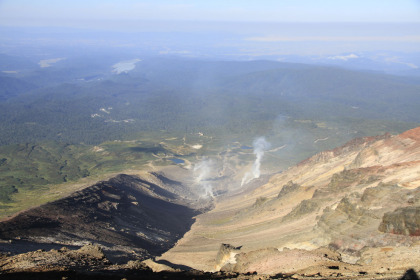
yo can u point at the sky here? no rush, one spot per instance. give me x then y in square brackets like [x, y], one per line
[268, 25]
[70, 13]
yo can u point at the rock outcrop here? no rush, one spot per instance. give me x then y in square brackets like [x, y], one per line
[88, 257]
[404, 220]
[226, 256]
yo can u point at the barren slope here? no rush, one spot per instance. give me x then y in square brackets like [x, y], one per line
[349, 200]
[133, 217]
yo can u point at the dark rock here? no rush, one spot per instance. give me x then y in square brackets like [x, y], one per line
[288, 188]
[404, 221]
[259, 201]
[410, 275]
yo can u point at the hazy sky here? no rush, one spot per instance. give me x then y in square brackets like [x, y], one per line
[278, 26]
[89, 12]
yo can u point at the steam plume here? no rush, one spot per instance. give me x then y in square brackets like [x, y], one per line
[203, 169]
[260, 146]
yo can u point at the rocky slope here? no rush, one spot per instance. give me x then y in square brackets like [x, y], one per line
[359, 202]
[90, 262]
[347, 213]
[129, 216]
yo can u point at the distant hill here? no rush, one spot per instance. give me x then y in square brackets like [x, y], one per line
[12, 87]
[17, 63]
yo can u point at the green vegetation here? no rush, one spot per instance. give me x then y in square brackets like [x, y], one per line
[78, 121]
[27, 169]
[6, 192]
[186, 96]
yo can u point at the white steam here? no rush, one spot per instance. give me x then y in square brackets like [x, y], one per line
[260, 146]
[203, 170]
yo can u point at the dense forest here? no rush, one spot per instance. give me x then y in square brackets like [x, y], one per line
[193, 96]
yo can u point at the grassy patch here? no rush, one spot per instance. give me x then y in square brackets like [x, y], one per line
[33, 174]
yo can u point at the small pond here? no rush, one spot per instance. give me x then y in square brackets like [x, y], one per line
[177, 160]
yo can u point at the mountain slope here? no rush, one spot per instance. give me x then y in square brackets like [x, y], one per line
[353, 200]
[129, 216]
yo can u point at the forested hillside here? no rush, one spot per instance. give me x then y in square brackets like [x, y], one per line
[193, 96]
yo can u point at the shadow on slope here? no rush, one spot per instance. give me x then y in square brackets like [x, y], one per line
[127, 215]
